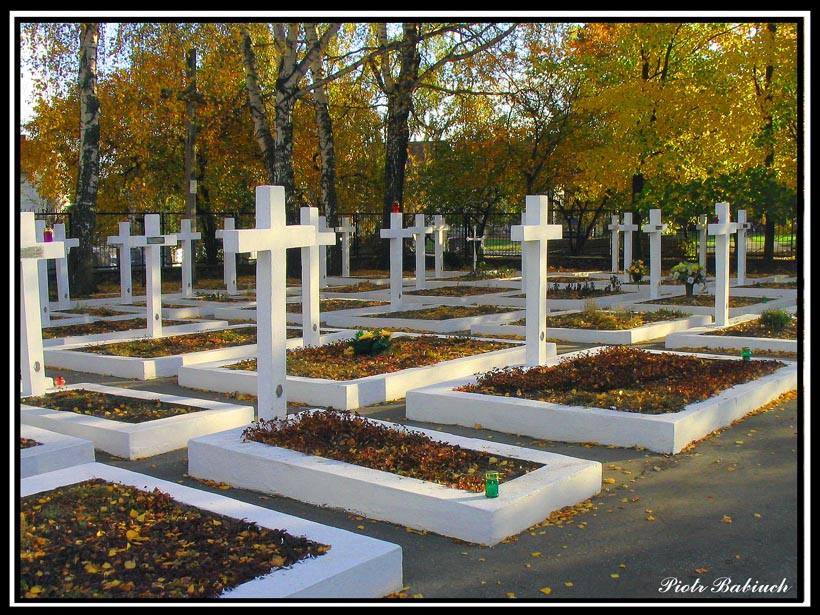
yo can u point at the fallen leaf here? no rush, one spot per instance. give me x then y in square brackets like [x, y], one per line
[511, 595]
[615, 575]
[701, 570]
[609, 481]
[546, 590]
[536, 554]
[726, 519]
[650, 518]
[568, 584]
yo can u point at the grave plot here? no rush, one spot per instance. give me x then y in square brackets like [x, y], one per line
[347, 392]
[354, 566]
[604, 326]
[45, 451]
[599, 420]
[739, 333]
[425, 317]
[148, 358]
[125, 327]
[106, 416]
[421, 504]
[705, 304]
[346, 306]
[465, 293]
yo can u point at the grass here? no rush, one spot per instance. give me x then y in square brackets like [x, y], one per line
[100, 540]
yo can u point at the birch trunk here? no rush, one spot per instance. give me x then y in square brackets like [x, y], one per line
[84, 220]
[261, 126]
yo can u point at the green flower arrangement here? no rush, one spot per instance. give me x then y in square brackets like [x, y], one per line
[636, 270]
[688, 273]
[370, 342]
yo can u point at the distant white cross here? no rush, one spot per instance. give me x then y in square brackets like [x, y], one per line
[476, 241]
[154, 242]
[396, 234]
[615, 243]
[311, 274]
[742, 227]
[439, 242]
[534, 235]
[627, 228]
[32, 365]
[61, 267]
[322, 253]
[228, 258]
[42, 273]
[125, 241]
[703, 231]
[186, 238]
[420, 232]
[721, 231]
[270, 240]
[347, 232]
[654, 228]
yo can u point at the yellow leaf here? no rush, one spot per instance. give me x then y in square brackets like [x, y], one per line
[217, 522]
[510, 594]
[191, 588]
[757, 515]
[621, 565]
[536, 554]
[726, 519]
[477, 426]
[35, 590]
[277, 561]
[132, 535]
[418, 595]
[730, 469]
[609, 481]
[701, 570]
[650, 518]
[568, 584]
[615, 575]
[359, 527]
[546, 590]
[91, 568]
[130, 564]
[133, 514]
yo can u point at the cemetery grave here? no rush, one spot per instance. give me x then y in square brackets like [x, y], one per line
[347, 382]
[46, 451]
[129, 423]
[560, 481]
[597, 417]
[773, 330]
[339, 564]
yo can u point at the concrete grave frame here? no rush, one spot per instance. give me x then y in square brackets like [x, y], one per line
[54, 451]
[139, 440]
[418, 504]
[664, 433]
[354, 567]
[699, 337]
[347, 394]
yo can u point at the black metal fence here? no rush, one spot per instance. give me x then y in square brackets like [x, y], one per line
[366, 242]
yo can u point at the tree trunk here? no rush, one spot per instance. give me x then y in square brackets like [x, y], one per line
[261, 126]
[84, 220]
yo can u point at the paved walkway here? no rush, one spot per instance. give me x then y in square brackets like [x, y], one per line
[720, 522]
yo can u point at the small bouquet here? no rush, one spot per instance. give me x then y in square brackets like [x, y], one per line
[689, 273]
[637, 270]
[370, 342]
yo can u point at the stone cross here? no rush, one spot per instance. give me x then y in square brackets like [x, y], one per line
[627, 228]
[154, 241]
[703, 227]
[420, 233]
[654, 228]
[42, 273]
[312, 259]
[534, 235]
[439, 242]
[32, 365]
[615, 241]
[228, 258]
[61, 267]
[270, 240]
[396, 234]
[186, 238]
[476, 240]
[322, 253]
[347, 232]
[742, 227]
[721, 231]
[125, 241]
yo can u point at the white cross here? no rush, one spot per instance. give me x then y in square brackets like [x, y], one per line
[703, 228]
[615, 241]
[476, 242]
[153, 243]
[654, 228]
[627, 228]
[721, 231]
[125, 241]
[347, 232]
[420, 233]
[322, 253]
[61, 267]
[228, 258]
[42, 274]
[534, 235]
[270, 240]
[742, 227]
[186, 238]
[312, 258]
[396, 235]
[32, 365]
[439, 242]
